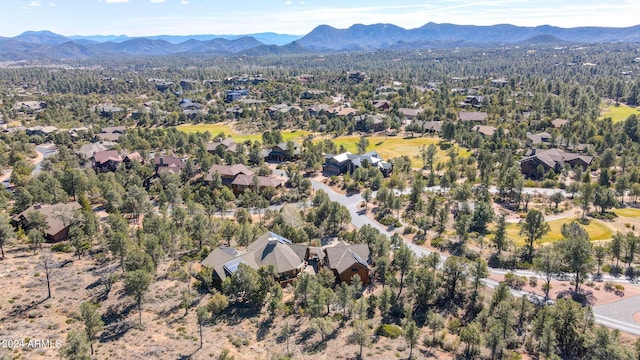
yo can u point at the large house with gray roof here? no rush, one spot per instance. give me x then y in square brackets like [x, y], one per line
[348, 162]
[270, 249]
[538, 162]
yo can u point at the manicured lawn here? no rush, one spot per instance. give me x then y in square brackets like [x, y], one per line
[596, 230]
[627, 212]
[618, 113]
[394, 146]
[215, 129]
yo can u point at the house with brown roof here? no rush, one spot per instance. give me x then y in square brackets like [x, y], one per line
[346, 261]
[107, 160]
[381, 104]
[58, 218]
[538, 162]
[167, 163]
[240, 178]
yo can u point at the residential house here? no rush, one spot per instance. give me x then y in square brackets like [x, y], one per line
[133, 158]
[538, 162]
[558, 123]
[475, 101]
[235, 95]
[425, 126]
[409, 114]
[42, 130]
[346, 261]
[167, 163]
[315, 110]
[58, 218]
[107, 160]
[542, 138]
[311, 94]
[369, 123]
[382, 104]
[109, 111]
[87, 151]
[240, 178]
[348, 162]
[475, 116]
[29, 107]
[344, 111]
[281, 152]
[281, 109]
[221, 146]
[270, 249]
[485, 130]
[111, 133]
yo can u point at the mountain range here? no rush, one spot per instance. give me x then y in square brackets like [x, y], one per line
[33, 45]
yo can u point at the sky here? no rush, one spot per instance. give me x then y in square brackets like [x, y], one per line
[296, 17]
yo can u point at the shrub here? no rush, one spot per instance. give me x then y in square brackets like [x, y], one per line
[515, 281]
[609, 286]
[454, 326]
[533, 281]
[389, 330]
[61, 247]
[606, 268]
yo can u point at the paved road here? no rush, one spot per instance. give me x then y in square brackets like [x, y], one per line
[617, 315]
[45, 151]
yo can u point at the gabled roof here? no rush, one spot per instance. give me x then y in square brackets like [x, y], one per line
[88, 150]
[114, 129]
[343, 257]
[228, 171]
[102, 157]
[56, 214]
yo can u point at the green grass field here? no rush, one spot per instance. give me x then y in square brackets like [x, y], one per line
[215, 129]
[627, 212]
[596, 230]
[618, 113]
[393, 146]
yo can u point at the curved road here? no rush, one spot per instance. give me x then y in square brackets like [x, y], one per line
[617, 315]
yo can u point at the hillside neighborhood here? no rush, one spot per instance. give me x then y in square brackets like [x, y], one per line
[443, 203]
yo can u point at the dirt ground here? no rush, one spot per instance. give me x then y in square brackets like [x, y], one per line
[26, 314]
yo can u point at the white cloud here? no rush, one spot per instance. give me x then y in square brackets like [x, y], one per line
[52, 4]
[287, 2]
[184, 2]
[157, 1]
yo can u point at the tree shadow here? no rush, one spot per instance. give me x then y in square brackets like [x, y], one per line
[264, 329]
[22, 309]
[115, 331]
[241, 311]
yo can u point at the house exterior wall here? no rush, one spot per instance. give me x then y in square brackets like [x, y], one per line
[354, 269]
